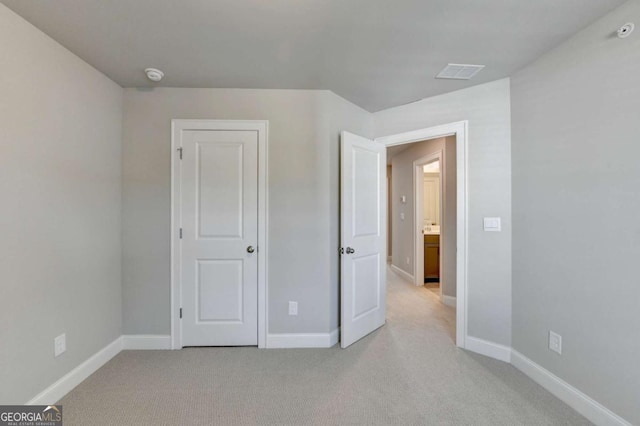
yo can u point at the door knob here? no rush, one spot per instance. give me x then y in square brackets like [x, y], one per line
[250, 249]
[350, 250]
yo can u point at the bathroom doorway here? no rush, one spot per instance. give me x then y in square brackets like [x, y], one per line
[428, 217]
[422, 214]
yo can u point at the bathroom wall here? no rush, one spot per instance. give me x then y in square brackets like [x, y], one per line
[403, 230]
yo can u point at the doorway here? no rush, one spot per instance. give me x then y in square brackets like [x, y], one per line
[458, 242]
[363, 219]
[218, 233]
[429, 239]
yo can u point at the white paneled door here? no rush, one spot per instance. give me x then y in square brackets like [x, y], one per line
[219, 221]
[363, 236]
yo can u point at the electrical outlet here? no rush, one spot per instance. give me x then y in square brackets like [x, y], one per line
[293, 308]
[555, 342]
[59, 345]
[401, 216]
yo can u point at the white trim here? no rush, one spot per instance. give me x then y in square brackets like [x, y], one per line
[262, 127]
[460, 130]
[146, 341]
[418, 215]
[487, 348]
[303, 340]
[448, 300]
[334, 337]
[404, 275]
[66, 383]
[574, 398]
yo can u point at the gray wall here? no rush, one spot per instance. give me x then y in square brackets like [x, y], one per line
[576, 197]
[487, 108]
[340, 115]
[60, 167]
[303, 198]
[403, 230]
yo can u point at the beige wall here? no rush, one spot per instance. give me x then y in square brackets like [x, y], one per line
[60, 168]
[303, 201]
[403, 230]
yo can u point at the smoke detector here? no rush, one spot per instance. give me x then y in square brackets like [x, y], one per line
[460, 71]
[626, 30]
[154, 74]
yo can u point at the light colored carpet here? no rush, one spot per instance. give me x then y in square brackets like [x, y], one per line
[407, 373]
[433, 288]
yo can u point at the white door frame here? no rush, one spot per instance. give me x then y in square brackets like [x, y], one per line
[418, 215]
[262, 128]
[460, 130]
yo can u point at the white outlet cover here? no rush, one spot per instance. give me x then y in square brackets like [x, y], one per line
[293, 308]
[59, 345]
[401, 216]
[555, 342]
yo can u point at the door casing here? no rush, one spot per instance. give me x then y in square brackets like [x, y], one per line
[458, 129]
[177, 127]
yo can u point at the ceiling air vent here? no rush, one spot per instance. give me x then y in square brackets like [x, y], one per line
[460, 71]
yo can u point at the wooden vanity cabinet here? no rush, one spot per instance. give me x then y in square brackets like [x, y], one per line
[431, 258]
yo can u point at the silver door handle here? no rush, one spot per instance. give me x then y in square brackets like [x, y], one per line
[250, 249]
[350, 250]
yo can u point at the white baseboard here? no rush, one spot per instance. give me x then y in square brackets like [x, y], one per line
[449, 301]
[146, 342]
[66, 383]
[405, 275]
[486, 348]
[334, 337]
[302, 340]
[583, 404]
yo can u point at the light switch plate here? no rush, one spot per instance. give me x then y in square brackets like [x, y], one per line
[403, 199]
[492, 224]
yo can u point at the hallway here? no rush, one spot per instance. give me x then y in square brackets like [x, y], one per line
[408, 372]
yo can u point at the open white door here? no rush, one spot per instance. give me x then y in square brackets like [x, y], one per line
[363, 237]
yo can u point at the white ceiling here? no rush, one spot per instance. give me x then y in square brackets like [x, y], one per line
[375, 53]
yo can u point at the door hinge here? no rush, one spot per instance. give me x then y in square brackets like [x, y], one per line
[180, 151]
[180, 233]
[180, 312]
